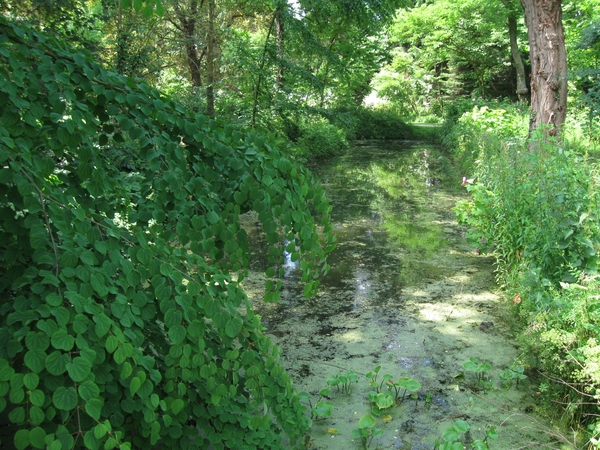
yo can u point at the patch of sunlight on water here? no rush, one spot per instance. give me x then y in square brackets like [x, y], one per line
[351, 336]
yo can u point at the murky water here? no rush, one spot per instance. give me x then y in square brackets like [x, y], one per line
[405, 293]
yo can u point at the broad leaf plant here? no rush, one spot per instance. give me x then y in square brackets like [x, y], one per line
[123, 322]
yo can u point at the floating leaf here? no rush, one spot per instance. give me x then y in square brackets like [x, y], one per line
[461, 426]
[323, 409]
[366, 421]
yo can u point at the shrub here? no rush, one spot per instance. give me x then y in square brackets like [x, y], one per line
[380, 123]
[536, 208]
[562, 339]
[320, 138]
[483, 129]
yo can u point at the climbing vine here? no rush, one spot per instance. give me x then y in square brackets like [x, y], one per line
[123, 323]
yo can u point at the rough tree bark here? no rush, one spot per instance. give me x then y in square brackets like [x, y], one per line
[548, 64]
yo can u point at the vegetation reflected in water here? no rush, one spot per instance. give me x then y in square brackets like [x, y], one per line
[403, 293]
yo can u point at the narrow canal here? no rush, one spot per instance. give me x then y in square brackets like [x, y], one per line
[406, 293]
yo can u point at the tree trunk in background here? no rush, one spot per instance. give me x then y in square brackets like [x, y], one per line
[260, 70]
[188, 27]
[193, 62]
[211, 55]
[548, 64]
[280, 46]
[519, 67]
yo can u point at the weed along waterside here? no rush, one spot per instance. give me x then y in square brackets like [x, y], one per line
[390, 353]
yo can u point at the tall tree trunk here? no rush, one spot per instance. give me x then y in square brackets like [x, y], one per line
[280, 46]
[548, 64]
[210, 60]
[188, 26]
[193, 61]
[260, 71]
[519, 67]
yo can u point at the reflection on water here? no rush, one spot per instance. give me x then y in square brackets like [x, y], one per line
[390, 210]
[362, 289]
[289, 266]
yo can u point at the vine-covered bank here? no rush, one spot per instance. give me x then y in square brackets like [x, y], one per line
[122, 322]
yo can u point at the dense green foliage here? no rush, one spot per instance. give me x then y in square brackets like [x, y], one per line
[320, 138]
[122, 321]
[537, 213]
[379, 123]
[538, 206]
[447, 49]
[476, 128]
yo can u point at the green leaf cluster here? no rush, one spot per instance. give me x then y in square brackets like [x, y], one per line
[453, 436]
[123, 323]
[366, 431]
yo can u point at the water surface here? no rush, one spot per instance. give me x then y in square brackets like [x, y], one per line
[405, 292]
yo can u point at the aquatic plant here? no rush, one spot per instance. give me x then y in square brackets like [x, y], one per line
[415, 397]
[452, 437]
[366, 431]
[479, 368]
[403, 385]
[380, 401]
[343, 381]
[511, 373]
[372, 376]
[321, 409]
[394, 395]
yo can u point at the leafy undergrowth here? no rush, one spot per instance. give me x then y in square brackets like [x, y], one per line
[123, 323]
[535, 206]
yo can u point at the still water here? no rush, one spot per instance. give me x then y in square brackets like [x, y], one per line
[405, 292]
